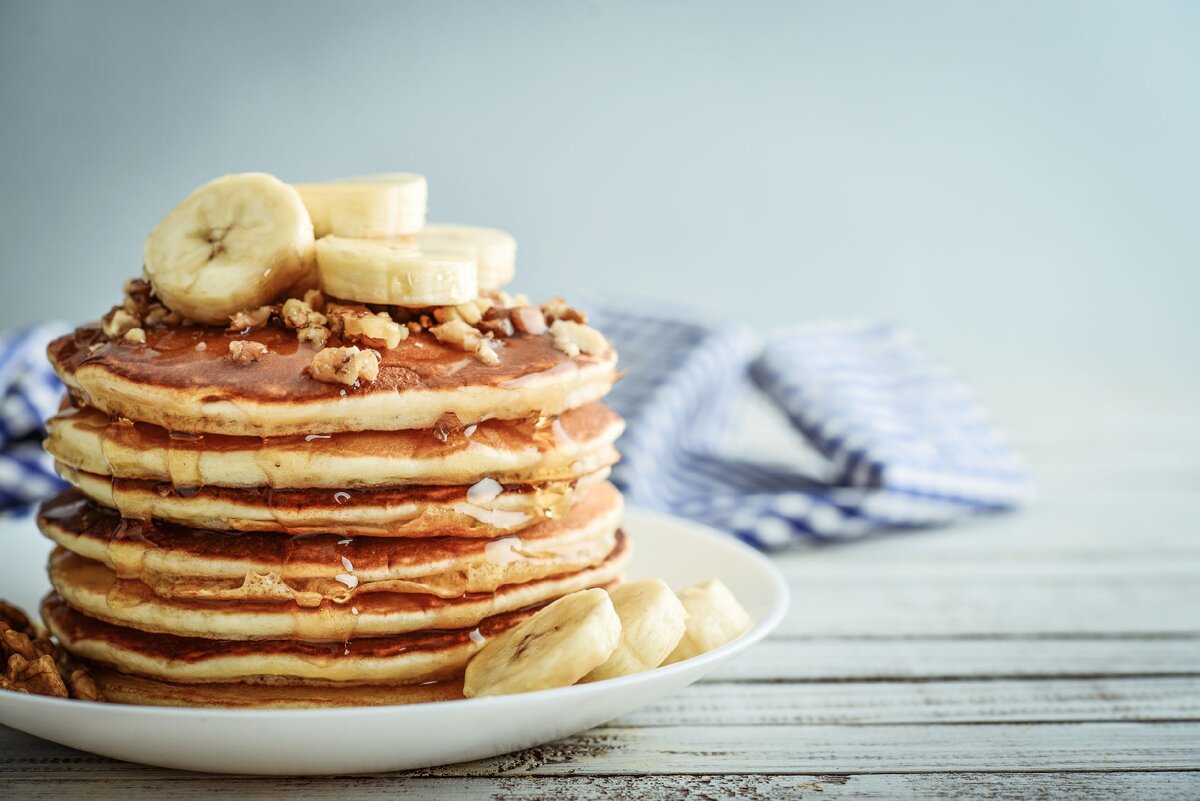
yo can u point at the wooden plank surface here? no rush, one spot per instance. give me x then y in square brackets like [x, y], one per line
[1050, 654]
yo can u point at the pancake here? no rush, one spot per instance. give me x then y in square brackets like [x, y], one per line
[125, 689]
[181, 562]
[510, 451]
[182, 380]
[414, 511]
[95, 590]
[407, 658]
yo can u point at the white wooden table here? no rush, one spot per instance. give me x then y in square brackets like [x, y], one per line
[1054, 653]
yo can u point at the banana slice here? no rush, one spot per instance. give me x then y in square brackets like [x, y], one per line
[370, 207]
[495, 251]
[714, 618]
[653, 621]
[394, 273]
[235, 243]
[554, 648]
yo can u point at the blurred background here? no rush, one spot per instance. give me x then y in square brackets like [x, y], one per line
[1017, 182]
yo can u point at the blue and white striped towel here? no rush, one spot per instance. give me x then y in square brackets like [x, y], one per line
[29, 393]
[900, 443]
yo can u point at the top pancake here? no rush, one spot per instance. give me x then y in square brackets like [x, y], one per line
[181, 379]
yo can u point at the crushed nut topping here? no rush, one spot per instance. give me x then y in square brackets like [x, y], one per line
[557, 309]
[119, 323]
[528, 320]
[136, 336]
[316, 335]
[457, 332]
[31, 663]
[373, 329]
[345, 365]
[574, 338]
[299, 314]
[245, 321]
[245, 351]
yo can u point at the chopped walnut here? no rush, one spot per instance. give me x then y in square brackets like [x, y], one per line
[373, 329]
[499, 326]
[135, 336]
[298, 314]
[457, 332]
[345, 365]
[557, 309]
[158, 314]
[245, 351]
[575, 338]
[119, 323]
[528, 320]
[251, 319]
[315, 335]
[30, 662]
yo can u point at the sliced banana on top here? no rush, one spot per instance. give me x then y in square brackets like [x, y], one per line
[653, 621]
[369, 207]
[555, 648]
[235, 243]
[394, 273]
[714, 618]
[495, 251]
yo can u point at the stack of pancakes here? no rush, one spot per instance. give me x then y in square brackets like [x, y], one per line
[241, 534]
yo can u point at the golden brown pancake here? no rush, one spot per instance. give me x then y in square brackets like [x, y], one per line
[181, 562]
[122, 688]
[94, 589]
[405, 658]
[412, 511]
[509, 451]
[182, 380]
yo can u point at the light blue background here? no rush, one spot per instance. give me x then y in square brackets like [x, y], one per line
[1017, 182]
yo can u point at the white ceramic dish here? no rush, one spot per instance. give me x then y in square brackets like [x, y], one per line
[374, 739]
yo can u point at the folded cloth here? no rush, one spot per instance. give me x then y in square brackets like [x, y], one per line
[899, 441]
[29, 393]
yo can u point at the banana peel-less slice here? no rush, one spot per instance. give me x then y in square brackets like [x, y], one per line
[653, 621]
[495, 251]
[555, 648]
[235, 243]
[394, 273]
[714, 618]
[370, 207]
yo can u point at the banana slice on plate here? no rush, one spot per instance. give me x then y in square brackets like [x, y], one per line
[235, 243]
[653, 621]
[370, 207]
[495, 251]
[555, 648]
[394, 273]
[714, 618]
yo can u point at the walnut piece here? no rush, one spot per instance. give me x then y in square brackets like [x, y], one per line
[30, 662]
[245, 351]
[135, 336]
[372, 329]
[119, 323]
[299, 314]
[575, 338]
[557, 309]
[250, 319]
[457, 332]
[345, 366]
[315, 335]
[528, 320]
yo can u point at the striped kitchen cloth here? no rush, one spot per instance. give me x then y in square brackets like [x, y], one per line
[29, 393]
[897, 441]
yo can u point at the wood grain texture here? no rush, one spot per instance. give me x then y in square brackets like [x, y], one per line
[1049, 654]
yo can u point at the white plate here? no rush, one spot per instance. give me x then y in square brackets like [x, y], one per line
[374, 739]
